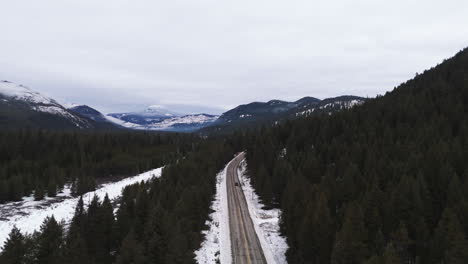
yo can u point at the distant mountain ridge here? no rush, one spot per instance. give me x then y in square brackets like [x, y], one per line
[184, 123]
[89, 112]
[274, 110]
[22, 107]
[148, 117]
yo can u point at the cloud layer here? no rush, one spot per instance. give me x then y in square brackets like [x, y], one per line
[121, 55]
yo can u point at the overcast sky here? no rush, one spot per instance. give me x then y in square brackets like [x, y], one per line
[210, 55]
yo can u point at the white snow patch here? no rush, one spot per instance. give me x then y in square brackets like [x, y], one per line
[340, 104]
[21, 92]
[266, 222]
[216, 248]
[30, 215]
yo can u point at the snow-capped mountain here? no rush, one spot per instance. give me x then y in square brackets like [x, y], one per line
[22, 107]
[184, 123]
[151, 115]
[159, 110]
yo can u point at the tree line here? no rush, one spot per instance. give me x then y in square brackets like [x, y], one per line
[41, 162]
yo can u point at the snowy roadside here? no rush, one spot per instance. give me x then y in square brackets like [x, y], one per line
[216, 248]
[29, 214]
[266, 222]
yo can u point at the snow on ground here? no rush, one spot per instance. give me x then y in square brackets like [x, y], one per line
[28, 214]
[266, 222]
[217, 245]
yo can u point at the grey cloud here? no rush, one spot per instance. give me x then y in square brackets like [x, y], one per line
[211, 55]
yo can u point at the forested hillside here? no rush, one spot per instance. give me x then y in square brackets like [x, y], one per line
[158, 222]
[386, 182]
[40, 162]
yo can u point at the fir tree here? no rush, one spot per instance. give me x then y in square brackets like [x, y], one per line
[39, 192]
[131, 251]
[50, 242]
[14, 249]
[350, 244]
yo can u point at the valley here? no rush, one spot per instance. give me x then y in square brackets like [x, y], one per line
[232, 132]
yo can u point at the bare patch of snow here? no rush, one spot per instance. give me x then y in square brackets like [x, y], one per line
[29, 215]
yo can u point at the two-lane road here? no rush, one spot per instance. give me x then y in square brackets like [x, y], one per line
[245, 245]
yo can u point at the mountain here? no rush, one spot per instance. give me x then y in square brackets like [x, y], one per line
[275, 109]
[101, 121]
[22, 107]
[258, 113]
[157, 117]
[184, 123]
[151, 115]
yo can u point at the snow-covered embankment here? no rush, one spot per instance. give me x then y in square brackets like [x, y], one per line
[266, 222]
[29, 214]
[217, 245]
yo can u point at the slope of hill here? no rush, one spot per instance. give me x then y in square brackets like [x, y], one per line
[385, 182]
[258, 113]
[23, 107]
[100, 121]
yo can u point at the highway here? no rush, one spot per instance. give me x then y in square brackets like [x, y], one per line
[245, 245]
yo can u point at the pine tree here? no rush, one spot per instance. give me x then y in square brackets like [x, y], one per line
[78, 222]
[106, 226]
[51, 187]
[131, 251]
[76, 248]
[94, 235]
[77, 251]
[450, 245]
[50, 242]
[402, 243]
[16, 188]
[316, 233]
[390, 256]
[350, 244]
[156, 247]
[14, 249]
[39, 192]
[3, 191]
